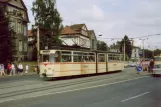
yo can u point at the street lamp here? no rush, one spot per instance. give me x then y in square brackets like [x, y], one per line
[143, 47]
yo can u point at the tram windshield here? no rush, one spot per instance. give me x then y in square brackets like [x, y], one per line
[157, 58]
[47, 58]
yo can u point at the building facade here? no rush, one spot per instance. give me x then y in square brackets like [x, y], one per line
[135, 53]
[17, 12]
[32, 55]
[75, 35]
[79, 35]
[93, 40]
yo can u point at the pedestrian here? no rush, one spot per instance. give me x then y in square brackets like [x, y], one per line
[9, 67]
[27, 67]
[151, 65]
[2, 69]
[13, 69]
[20, 67]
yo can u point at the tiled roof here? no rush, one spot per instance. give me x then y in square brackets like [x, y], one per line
[68, 30]
[77, 26]
[30, 33]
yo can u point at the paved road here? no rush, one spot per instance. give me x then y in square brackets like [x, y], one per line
[124, 89]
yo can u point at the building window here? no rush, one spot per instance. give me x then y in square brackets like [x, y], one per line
[13, 24]
[25, 30]
[25, 47]
[20, 45]
[92, 43]
[19, 30]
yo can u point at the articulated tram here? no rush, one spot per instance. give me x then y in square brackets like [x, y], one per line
[72, 62]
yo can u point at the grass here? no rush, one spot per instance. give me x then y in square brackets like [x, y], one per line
[31, 65]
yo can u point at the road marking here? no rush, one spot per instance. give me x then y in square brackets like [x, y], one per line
[46, 94]
[135, 96]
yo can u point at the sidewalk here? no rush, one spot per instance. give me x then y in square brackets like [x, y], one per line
[24, 74]
[132, 71]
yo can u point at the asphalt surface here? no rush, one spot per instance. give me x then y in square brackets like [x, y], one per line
[124, 89]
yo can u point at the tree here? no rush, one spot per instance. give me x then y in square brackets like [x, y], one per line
[7, 43]
[157, 52]
[101, 45]
[148, 53]
[49, 20]
[128, 46]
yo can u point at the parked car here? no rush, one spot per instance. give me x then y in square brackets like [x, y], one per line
[132, 64]
[157, 69]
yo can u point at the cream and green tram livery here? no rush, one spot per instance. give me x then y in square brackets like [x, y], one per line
[64, 62]
[157, 59]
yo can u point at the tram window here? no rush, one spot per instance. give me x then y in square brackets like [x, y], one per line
[110, 57]
[57, 56]
[92, 58]
[66, 56]
[45, 58]
[77, 56]
[101, 58]
[85, 57]
[51, 58]
[88, 57]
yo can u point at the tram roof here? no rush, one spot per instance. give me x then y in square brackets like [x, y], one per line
[78, 48]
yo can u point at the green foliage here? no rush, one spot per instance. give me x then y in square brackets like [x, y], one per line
[157, 52]
[7, 44]
[128, 46]
[101, 45]
[49, 20]
[150, 54]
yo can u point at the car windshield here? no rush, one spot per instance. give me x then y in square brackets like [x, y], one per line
[157, 66]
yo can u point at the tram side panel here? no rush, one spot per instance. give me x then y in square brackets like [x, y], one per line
[101, 67]
[115, 66]
[69, 69]
[88, 68]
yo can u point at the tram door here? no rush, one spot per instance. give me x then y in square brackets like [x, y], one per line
[101, 63]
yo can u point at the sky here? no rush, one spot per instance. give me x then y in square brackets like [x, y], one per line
[113, 18]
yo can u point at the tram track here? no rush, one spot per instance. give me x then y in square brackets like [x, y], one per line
[40, 82]
[49, 87]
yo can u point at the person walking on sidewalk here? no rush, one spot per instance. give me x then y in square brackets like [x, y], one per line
[20, 67]
[27, 67]
[9, 67]
[151, 65]
[2, 69]
[13, 69]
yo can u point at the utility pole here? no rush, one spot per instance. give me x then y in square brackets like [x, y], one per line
[38, 45]
[124, 50]
[143, 48]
